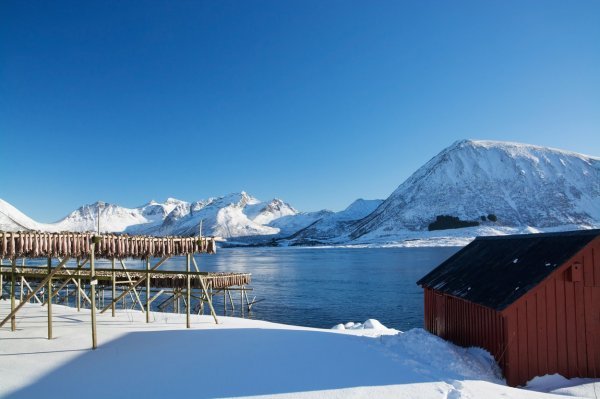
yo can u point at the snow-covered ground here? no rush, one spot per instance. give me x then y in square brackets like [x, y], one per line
[240, 358]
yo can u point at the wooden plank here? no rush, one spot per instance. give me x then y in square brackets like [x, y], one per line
[13, 307]
[510, 356]
[596, 329]
[551, 326]
[588, 268]
[591, 335]
[49, 302]
[522, 343]
[93, 294]
[571, 330]
[188, 292]
[209, 299]
[148, 291]
[532, 336]
[596, 263]
[561, 326]
[542, 330]
[580, 332]
[113, 288]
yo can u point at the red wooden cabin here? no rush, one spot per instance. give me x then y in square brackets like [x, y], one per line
[533, 301]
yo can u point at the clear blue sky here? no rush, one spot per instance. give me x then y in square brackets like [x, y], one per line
[315, 102]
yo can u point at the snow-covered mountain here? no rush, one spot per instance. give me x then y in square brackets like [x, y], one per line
[523, 185]
[527, 188]
[235, 215]
[12, 219]
[335, 225]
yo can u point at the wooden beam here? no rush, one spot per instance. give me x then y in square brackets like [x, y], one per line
[28, 286]
[138, 282]
[93, 283]
[148, 291]
[188, 293]
[155, 297]
[137, 296]
[32, 293]
[49, 307]
[209, 299]
[56, 292]
[114, 288]
[13, 319]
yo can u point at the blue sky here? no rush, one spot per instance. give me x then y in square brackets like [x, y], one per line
[315, 102]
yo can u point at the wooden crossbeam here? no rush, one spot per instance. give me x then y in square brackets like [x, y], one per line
[155, 297]
[55, 293]
[209, 299]
[130, 280]
[24, 280]
[135, 284]
[35, 291]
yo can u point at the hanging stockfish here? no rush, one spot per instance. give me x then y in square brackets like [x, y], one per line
[37, 244]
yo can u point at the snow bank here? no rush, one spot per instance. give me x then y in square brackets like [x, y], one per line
[557, 384]
[369, 324]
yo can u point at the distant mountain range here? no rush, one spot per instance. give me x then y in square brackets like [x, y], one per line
[504, 187]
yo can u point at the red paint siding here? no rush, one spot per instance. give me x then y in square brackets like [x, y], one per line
[554, 328]
[464, 323]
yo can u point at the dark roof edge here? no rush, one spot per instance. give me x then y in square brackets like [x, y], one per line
[591, 232]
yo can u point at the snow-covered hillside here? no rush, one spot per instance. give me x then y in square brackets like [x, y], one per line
[336, 224]
[528, 189]
[523, 185]
[12, 219]
[237, 215]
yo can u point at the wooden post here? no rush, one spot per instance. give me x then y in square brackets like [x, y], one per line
[114, 288]
[231, 302]
[148, 290]
[93, 282]
[188, 292]
[242, 301]
[1, 282]
[13, 319]
[78, 288]
[208, 298]
[49, 299]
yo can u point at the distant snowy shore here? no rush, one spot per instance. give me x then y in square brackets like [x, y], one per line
[240, 358]
[419, 239]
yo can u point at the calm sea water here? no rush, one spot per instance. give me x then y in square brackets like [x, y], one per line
[320, 287]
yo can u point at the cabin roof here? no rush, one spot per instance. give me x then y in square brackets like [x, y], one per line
[496, 271]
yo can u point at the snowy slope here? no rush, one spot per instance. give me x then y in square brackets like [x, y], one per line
[523, 185]
[11, 219]
[113, 218]
[335, 225]
[288, 225]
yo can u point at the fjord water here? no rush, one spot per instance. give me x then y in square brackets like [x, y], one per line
[320, 287]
